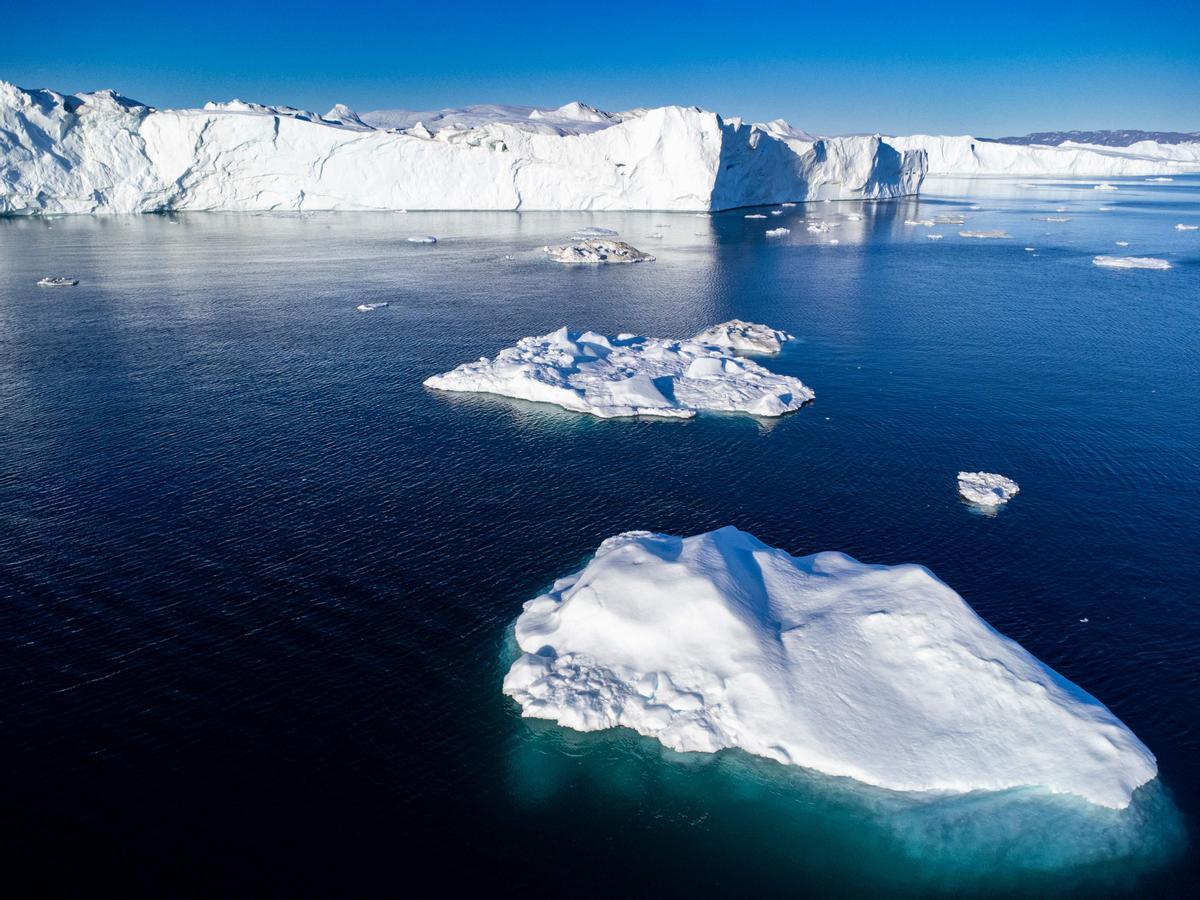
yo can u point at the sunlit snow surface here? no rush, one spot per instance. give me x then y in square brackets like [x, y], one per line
[628, 375]
[879, 673]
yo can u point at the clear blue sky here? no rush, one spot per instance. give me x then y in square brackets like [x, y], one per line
[899, 67]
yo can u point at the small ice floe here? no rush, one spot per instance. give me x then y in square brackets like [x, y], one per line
[1107, 208]
[949, 220]
[1104, 186]
[1184, 227]
[1158, 181]
[628, 375]
[703, 215]
[935, 236]
[1060, 209]
[744, 337]
[821, 227]
[833, 241]
[422, 239]
[595, 231]
[986, 488]
[755, 216]
[598, 251]
[787, 204]
[974, 206]
[1084, 620]
[1122, 243]
[924, 223]
[371, 307]
[58, 281]
[778, 232]
[984, 235]
[1130, 262]
[1052, 218]
[777, 212]
[854, 217]
[655, 235]
[1030, 249]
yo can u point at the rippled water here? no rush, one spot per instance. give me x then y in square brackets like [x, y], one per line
[255, 581]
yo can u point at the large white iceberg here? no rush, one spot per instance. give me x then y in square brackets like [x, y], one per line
[628, 375]
[965, 155]
[102, 153]
[878, 673]
[595, 250]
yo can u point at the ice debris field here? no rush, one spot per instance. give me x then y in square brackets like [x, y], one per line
[878, 673]
[629, 375]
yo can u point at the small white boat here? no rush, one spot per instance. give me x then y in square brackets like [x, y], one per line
[370, 307]
[58, 281]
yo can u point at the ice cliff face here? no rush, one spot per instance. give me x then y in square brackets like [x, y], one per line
[966, 155]
[102, 153]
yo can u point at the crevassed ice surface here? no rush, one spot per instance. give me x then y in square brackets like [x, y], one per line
[879, 673]
[100, 152]
[629, 375]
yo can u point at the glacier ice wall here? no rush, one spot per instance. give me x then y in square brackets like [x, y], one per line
[102, 153]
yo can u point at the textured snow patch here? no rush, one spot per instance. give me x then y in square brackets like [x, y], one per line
[598, 251]
[630, 375]
[744, 337]
[986, 488]
[1130, 262]
[878, 673]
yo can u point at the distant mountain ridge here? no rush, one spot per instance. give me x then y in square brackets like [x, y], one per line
[1125, 138]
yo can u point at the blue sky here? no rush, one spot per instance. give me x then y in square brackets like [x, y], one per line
[898, 67]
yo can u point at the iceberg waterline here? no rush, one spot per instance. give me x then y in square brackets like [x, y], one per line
[629, 375]
[878, 673]
[103, 153]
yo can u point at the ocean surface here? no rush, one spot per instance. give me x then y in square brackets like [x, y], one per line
[256, 582]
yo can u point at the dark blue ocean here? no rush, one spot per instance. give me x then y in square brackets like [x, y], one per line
[256, 581]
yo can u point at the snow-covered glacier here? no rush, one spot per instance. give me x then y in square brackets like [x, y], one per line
[878, 673]
[965, 155]
[103, 153]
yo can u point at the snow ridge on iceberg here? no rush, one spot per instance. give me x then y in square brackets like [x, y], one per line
[101, 153]
[628, 375]
[878, 673]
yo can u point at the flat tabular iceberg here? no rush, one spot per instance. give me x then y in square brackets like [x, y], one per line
[986, 488]
[629, 375]
[598, 251]
[879, 673]
[1130, 262]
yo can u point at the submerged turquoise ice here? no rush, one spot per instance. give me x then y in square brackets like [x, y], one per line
[256, 579]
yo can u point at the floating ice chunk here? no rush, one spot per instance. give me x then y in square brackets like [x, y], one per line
[1130, 262]
[935, 237]
[1107, 208]
[821, 227]
[754, 216]
[1122, 243]
[1030, 249]
[744, 337]
[778, 232]
[371, 307]
[986, 488]
[925, 223]
[854, 217]
[833, 241]
[878, 673]
[630, 376]
[1104, 186]
[598, 251]
[422, 239]
[1052, 218]
[984, 235]
[1183, 227]
[777, 212]
[58, 281]
[1158, 180]
[703, 215]
[787, 204]
[595, 231]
